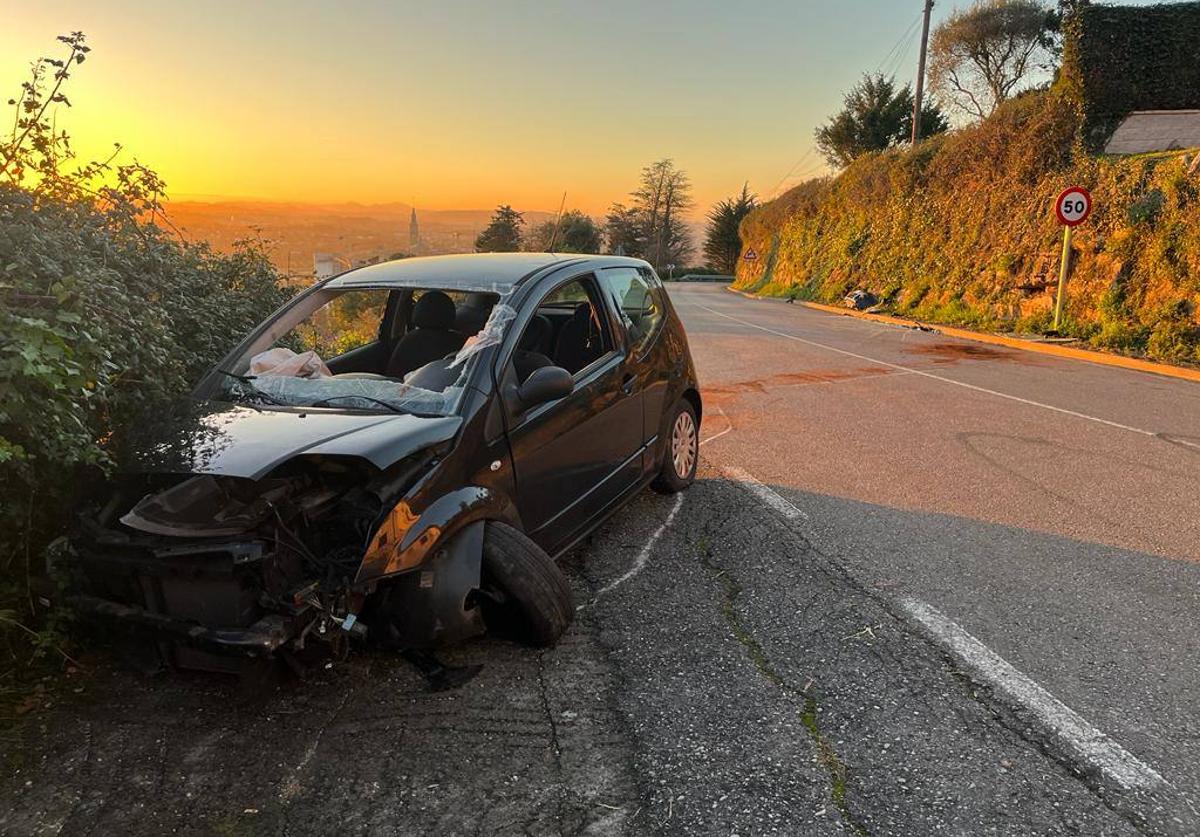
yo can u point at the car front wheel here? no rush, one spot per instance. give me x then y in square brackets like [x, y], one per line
[682, 453]
[523, 594]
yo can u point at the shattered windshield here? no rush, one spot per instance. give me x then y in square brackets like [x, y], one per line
[396, 350]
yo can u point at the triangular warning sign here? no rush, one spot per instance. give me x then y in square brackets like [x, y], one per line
[750, 255]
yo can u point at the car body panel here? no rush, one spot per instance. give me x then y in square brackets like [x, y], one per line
[239, 441]
[574, 456]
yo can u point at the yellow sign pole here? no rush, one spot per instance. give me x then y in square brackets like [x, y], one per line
[1063, 270]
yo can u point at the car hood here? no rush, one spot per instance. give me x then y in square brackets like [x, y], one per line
[238, 441]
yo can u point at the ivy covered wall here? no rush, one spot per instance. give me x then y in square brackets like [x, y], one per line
[1120, 59]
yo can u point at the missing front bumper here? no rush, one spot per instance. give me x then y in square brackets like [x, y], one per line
[260, 638]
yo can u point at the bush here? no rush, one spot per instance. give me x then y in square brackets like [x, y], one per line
[1175, 335]
[105, 317]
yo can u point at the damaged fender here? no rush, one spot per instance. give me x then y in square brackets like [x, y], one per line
[406, 537]
[432, 564]
[428, 607]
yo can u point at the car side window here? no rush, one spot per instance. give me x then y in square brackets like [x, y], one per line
[638, 297]
[568, 329]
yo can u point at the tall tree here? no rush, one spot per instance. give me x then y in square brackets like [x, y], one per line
[664, 195]
[722, 238]
[982, 55]
[653, 226]
[503, 234]
[875, 116]
[574, 232]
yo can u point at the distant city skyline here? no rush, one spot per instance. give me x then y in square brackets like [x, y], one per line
[463, 104]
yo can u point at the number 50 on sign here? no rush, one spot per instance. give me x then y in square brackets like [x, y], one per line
[1073, 206]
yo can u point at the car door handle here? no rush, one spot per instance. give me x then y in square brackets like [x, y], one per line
[628, 383]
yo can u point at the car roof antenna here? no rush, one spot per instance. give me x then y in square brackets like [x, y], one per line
[557, 224]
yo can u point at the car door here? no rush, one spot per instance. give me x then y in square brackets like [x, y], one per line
[637, 298]
[575, 457]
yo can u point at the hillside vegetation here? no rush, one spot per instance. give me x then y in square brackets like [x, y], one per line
[962, 231]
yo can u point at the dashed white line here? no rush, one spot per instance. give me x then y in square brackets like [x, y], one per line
[932, 376]
[1089, 745]
[643, 556]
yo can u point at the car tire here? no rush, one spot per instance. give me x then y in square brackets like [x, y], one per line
[523, 594]
[681, 452]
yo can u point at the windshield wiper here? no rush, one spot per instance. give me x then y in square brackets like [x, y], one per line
[248, 381]
[326, 402]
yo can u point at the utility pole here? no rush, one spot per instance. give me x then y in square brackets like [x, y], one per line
[917, 102]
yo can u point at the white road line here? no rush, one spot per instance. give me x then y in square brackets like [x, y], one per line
[765, 493]
[932, 376]
[1089, 744]
[643, 557]
[713, 438]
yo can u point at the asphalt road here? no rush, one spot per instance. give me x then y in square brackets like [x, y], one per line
[921, 586]
[1048, 507]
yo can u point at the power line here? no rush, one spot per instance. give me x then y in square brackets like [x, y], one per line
[795, 166]
[905, 39]
[893, 58]
[800, 176]
[902, 56]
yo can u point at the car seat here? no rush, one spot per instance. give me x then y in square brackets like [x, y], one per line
[578, 340]
[432, 336]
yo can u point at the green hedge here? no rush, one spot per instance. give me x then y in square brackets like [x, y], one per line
[962, 231]
[1120, 59]
[105, 319]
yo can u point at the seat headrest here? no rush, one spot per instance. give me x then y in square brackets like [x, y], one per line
[473, 313]
[536, 333]
[583, 311]
[434, 310]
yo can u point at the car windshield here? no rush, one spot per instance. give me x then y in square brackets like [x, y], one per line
[399, 350]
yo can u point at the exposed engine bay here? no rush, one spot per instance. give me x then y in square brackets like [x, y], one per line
[220, 563]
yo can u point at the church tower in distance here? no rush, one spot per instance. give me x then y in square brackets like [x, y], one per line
[414, 232]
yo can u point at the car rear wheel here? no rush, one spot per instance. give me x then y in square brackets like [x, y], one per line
[523, 594]
[683, 450]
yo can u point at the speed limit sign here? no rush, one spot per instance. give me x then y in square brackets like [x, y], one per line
[1073, 206]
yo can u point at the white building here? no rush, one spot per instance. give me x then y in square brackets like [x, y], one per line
[325, 265]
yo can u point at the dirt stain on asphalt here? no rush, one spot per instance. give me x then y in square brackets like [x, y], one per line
[725, 391]
[943, 353]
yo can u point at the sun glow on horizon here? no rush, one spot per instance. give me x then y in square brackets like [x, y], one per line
[461, 104]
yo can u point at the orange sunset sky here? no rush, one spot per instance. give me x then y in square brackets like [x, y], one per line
[460, 104]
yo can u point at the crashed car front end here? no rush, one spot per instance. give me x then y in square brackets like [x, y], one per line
[236, 566]
[269, 527]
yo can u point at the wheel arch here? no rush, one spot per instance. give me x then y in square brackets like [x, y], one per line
[692, 396]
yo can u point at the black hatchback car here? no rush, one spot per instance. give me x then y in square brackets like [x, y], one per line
[399, 453]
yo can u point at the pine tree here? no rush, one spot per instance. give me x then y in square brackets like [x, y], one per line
[722, 238]
[503, 233]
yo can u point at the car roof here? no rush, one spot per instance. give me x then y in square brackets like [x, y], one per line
[495, 272]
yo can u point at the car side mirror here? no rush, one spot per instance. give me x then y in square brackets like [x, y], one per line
[549, 383]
